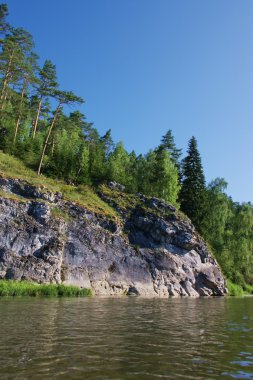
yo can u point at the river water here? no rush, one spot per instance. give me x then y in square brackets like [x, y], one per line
[126, 338]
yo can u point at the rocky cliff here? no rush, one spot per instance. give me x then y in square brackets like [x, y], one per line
[149, 249]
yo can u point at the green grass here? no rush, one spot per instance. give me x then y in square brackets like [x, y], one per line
[59, 214]
[11, 196]
[27, 288]
[126, 202]
[11, 167]
[123, 200]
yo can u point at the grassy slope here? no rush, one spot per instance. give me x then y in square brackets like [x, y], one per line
[83, 195]
[127, 202]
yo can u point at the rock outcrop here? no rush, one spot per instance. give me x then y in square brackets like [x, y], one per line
[150, 251]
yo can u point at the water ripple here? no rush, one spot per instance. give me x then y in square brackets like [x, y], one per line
[126, 339]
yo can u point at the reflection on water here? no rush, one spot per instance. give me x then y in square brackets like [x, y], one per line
[126, 338]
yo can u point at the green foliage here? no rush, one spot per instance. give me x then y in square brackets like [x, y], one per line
[238, 241]
[228, 227]
[4, 26]
[192, 195]
[238, 290]
[118, 163]
[168, 144]
[218, 212]
[158, 176]
[166, 183]
[234, 289]
[145, 168]
[27, 288]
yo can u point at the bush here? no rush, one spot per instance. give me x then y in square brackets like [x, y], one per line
[234, 289]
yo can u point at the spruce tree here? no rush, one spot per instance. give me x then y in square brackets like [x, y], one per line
[192, 195]
[107, 143]
[168, 143]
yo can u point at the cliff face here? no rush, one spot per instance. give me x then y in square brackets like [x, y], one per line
[149, 250]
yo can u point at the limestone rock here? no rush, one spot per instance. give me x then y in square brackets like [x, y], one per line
[148, 255]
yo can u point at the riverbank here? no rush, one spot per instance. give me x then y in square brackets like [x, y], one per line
[27, 288]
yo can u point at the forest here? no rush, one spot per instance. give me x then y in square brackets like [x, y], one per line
[38, 126]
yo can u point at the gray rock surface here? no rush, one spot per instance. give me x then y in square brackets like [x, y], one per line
[149, 255]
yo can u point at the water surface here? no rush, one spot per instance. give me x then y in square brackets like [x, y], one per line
[126, 338]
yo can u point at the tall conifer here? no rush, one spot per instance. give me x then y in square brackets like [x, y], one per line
[168, 143]
[192, 195]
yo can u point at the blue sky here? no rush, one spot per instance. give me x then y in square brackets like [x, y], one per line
[146, 66]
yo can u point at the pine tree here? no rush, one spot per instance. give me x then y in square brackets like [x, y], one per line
[168, 143]
[4, 26]
[192, 195]
[27, 79]
[47, 84]
[63, 97]
[16, 47]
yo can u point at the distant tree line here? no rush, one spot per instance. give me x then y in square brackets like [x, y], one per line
[68, 147]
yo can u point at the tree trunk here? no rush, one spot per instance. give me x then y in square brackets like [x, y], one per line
[37, 118]
[5, 97]
[47, 138]
[19, 112]
[5, 81]
[53, 146]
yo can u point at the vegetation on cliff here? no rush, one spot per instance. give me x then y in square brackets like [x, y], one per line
[76, 160]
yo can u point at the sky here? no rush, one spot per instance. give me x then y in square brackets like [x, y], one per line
[147, 66]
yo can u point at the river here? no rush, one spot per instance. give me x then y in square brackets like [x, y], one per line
[126, 338]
